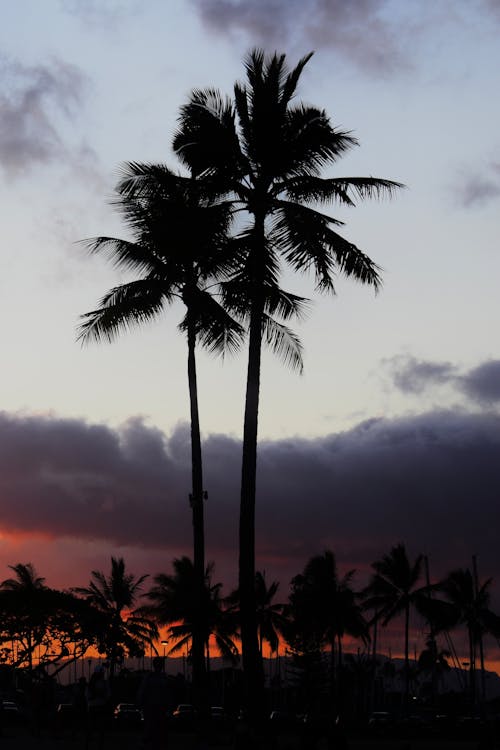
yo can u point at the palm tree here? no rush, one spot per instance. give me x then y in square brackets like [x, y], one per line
[469, 605]
[270, 151]
[270, 615]
[393, 590]
[180, 241]
[125, 630]
[24, 604]
[175, 602]
[327, 601]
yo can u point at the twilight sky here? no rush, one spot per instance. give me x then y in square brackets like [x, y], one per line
[393, 431]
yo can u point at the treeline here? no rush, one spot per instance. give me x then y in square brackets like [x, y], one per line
[122, 615]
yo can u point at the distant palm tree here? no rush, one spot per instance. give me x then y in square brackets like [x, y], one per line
[126, 630]
[393, 590]
[179, 248]
[271, 618]
[469, 605]
[24, 605]
[327, 601]
[271, 150]
[174, 602]
[270, 614]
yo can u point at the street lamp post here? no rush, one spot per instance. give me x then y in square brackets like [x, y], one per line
[164, 644]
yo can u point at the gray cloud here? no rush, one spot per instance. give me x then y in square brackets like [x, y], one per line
[31, 99]
[100, 14]
[479, 189]
[430, 481]
[482, 383]
[361, 31]
[412, 375]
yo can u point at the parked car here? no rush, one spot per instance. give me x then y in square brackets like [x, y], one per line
[183, 716]
[11, 712]
[127, 714]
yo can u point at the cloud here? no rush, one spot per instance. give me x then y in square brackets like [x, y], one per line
[100, 14]
[430, 481]
[479, 189]
[361, 31]
[482, 383]
[413, 376]
[31, 99]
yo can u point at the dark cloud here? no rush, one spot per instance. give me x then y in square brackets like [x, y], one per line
[412, 375]
[361, 31]
[479, 189]
[31, 100]
[430, 481]
[482, 383]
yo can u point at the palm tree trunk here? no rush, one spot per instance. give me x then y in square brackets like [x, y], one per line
[252, 663]
[200, 692]
[407, 656]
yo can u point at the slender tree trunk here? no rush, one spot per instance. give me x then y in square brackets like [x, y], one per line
[252, 662]
[374, 664]
[407, 656]
[472, 669]
[200, 692]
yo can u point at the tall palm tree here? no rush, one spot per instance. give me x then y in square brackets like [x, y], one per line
[180, 246]
[270, 151]
[174, 602]
[393, 590]
[126, 630]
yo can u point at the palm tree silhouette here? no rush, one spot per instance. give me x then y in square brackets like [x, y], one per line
[327, 601]
[271, 617]
[392, 591]
[175, 602]
[24, 598]
[271, 150]
[180, 248]
[126, 630]
[469, 605]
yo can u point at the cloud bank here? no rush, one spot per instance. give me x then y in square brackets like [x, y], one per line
[431, 481]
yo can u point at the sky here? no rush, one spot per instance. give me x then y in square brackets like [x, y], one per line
[392, 433]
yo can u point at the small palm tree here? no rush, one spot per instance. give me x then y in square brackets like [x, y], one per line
[24, 600]
[175, 602]
[271, 617]
[469, 605]
[270, 150]
[392, 591]
[327, 602]
[125, 629]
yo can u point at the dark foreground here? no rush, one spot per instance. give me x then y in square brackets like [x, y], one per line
[17, 738]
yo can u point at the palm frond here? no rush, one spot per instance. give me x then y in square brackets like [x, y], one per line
[214, 327]
[206, 140]
[283, 342]
[122, 308]
[284, 305]
[311, 188]
[124, 254]
[309, 243]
